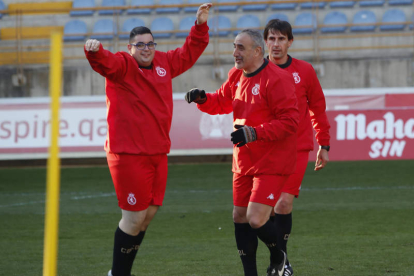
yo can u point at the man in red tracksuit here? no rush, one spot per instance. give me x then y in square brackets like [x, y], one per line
[265, 116]
[311, 100]
[140, 106]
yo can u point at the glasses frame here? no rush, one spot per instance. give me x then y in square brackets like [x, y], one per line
[146, 45]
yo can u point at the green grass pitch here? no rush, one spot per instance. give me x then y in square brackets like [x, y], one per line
[352, 218]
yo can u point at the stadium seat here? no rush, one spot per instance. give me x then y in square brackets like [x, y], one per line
[342, 4]
[399, 2]
[185, 26]
[169, 10]
[255, 7]
[103, 29]
[162, 25]
[412, 25]
[310, 5]
[111, 3]
[227, 8]
[371, 3]
[217, 24]
[280, 16]
[248, 21]
[2, 7]
[364, 17]
[284, 6]
[140, 3]
[193, 9]
[334, 18]
[128, 25]
[82, 4]
[393, 16]
[77, 27]
[307, 20]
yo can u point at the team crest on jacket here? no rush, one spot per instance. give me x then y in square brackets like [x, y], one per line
[296, 77]
[161, 71]
[256, 89]
[131, 199]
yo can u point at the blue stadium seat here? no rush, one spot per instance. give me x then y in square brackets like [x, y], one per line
[248, 21]
[128, 25]
[280, 16]
[412, 25]
[364, 17]
[310, 5]
[163, 25]
[371, 3]
[2, 7]
[111, 3]
[399, 2]
[284, 6]
[140, 3]
[307, 20]
[255, 7]
[393, 16]
[77, 27]
[217, 23]
[227, 8]
[169, 10]
[82, 4]
[334, 18]
[193, 9]
[342, 4]
[103, 29]
[185, 26]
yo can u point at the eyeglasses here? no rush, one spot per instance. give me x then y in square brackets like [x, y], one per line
[142, 45]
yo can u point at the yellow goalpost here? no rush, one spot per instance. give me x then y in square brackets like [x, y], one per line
[53, 163]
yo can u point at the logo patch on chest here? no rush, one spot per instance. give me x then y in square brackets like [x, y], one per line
[161, 71]
[296, 77]
[256, 89]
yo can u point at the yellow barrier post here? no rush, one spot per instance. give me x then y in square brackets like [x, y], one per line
[53, 164]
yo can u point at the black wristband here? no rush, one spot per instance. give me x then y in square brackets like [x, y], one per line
[327, 148]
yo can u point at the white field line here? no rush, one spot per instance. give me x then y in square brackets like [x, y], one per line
[82, 195]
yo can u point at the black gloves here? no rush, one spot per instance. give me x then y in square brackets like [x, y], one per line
[243, 135]
[196, 95]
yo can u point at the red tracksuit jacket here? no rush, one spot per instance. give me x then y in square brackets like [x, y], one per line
[265, 100]
[311, 102]
[139, 101]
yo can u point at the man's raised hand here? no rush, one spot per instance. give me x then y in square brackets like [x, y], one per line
[92, 45]
[202, 13]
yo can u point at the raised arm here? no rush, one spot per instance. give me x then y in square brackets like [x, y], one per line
[104, 62]
[183, 58]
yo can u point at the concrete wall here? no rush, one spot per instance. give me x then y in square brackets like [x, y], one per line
[395, 71]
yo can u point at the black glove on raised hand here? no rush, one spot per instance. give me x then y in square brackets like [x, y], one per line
[243, 135]
[196, 95]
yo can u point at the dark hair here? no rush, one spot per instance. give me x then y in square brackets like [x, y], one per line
[278, 25]
[138, 31]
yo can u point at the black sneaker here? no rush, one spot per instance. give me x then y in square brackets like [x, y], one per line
[288, 270]
[278, 269]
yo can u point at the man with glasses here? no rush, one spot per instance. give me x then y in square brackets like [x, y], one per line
[140, 104]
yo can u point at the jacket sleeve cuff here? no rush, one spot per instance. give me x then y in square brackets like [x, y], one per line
[323, 143]
[202, 28]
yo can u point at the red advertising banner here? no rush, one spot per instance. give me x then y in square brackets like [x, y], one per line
[356, 134]
[371, 134]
